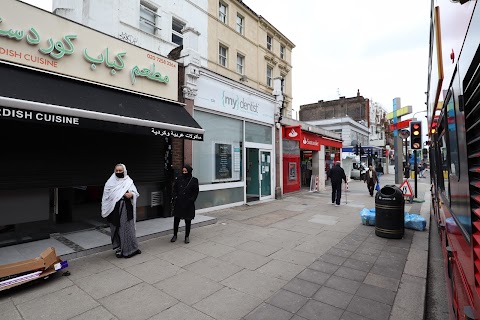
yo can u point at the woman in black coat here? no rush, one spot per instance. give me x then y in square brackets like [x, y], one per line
[185, 192]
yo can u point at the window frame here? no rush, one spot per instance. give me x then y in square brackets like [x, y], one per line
[223, 16]
[177, 33]
[269, 78]
[239, 55]
[154, 11]
[240, 26]
[283, 54]
[221, 46]
[269, 44]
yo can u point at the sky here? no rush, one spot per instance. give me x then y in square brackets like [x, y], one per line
[378, 47]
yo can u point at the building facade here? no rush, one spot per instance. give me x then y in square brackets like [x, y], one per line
[229, 58]
[78, 102]
[378, 125]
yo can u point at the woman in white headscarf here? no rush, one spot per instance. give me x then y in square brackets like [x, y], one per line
[119, 203]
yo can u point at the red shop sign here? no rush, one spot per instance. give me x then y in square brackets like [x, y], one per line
[310, 141]
[292, 132]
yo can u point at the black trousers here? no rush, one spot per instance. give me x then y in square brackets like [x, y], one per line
[336, 192]
[371, 187]
[176, 222]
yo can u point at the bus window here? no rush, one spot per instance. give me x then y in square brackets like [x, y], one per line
[452, 139]
[442, 146]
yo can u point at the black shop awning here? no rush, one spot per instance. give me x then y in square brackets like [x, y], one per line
[45, 98]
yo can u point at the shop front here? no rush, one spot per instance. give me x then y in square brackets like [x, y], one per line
[75, 104]
[304, 157]
[235, 161]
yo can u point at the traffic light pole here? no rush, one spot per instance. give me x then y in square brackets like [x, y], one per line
[407, 161]
[415, 168]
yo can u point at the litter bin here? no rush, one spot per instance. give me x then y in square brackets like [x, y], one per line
[389, 212]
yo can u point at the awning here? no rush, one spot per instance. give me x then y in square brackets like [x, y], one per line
[309, 141]
[43, 96]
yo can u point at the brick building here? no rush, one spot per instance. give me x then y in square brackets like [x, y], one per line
[357, 108]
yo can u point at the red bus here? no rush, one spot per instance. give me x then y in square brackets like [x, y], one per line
[453, 103]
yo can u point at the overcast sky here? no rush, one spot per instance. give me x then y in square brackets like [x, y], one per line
[377, 46]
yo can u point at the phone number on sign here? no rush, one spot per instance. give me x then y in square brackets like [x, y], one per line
[161, 60]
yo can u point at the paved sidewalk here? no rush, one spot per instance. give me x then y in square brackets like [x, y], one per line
[295, 258]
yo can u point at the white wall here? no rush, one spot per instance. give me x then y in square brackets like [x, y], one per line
[120, 19]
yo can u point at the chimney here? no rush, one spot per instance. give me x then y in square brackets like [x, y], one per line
[358, 92]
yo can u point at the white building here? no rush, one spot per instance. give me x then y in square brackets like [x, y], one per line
[377, 125]
[151, 24]
[349, 130]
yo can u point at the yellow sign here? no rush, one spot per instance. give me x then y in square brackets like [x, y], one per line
[400, 112]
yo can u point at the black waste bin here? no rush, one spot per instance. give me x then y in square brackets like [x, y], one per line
[389, 212]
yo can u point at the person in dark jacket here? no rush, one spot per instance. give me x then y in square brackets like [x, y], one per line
[371, 179]
[185, 192]
[336, 175]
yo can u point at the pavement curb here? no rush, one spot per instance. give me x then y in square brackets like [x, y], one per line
[410, 300]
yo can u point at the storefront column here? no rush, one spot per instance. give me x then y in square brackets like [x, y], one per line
[321, 164]
[187, 144]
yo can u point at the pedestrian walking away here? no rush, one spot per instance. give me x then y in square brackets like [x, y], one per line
[371, 179]
[379, 170]
[185, 192]
[119, 206]
[336, 175]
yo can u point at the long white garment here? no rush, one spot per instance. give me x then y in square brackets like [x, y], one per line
[114, 190]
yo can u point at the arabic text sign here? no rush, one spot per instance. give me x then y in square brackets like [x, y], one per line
[41, 40]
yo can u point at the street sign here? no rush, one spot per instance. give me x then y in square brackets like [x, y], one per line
[404, 133]
[406, 189]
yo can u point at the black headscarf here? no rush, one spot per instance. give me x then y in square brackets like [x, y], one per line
[189, 169]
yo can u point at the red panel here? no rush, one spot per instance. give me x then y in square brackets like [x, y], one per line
[310, 141]
[400, 125]
[292, 132]
[291, 162]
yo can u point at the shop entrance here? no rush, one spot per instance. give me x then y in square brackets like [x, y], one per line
[259, 174]
[306, 165]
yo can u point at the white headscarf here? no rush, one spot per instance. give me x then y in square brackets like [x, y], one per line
[114, 190]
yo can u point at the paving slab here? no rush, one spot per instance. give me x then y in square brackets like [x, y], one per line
[189, 287]
[302, 287]
[314, 310]
[281, 269]
[181, 311]
[287, 300]
[99, 313]
[245, 259]
[254, 283]
[74, 302]
[213, 268]
[333, 297]
[228, 304]
[268, 312]
[138, 302]
[153, 271]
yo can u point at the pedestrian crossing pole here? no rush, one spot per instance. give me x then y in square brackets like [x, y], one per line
[415, 168]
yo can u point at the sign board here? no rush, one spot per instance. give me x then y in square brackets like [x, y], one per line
[215, 95]
[399, 112]
[406, 189]
[41, 40]
[404, 133]
[400, 125]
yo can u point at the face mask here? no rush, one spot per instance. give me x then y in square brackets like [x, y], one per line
[119, 174]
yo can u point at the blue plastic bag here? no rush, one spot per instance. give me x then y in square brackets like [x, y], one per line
[377, 187]
[368, 216]
[415, 221]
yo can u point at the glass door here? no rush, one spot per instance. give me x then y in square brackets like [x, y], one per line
[265, 174]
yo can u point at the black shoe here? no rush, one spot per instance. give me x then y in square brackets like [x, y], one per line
[187, 240]
[174, 238]
[119, 254]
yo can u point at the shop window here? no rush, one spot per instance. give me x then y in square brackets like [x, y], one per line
[219, 157]
[258, 133]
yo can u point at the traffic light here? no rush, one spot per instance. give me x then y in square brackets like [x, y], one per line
[357, 152]
[433, 129]
[416, 135]
[384, 153]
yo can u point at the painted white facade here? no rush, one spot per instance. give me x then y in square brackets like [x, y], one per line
[121, 19]
[348, 129]
[377, 130]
